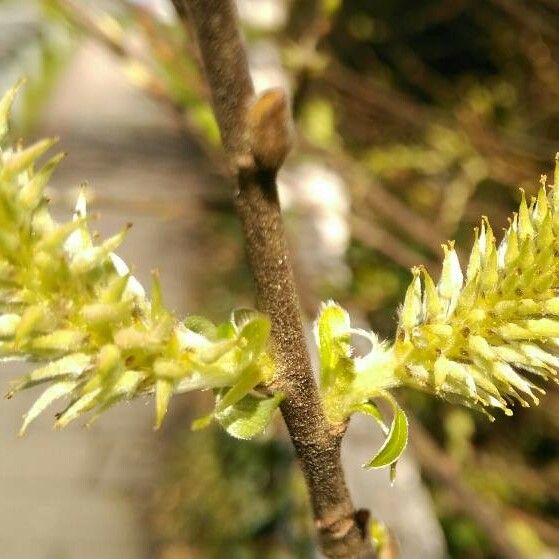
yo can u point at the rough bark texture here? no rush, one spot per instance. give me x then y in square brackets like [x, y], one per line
[316, 442]
[247, 124]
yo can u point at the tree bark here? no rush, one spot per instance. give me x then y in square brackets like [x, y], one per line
[255, 134]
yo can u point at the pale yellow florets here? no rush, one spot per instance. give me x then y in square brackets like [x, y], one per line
[481, 340]
[73, 304]
[484, 340]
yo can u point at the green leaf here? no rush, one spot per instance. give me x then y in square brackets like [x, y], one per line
[201, 325]
[250, 416]
[395, 442]
[333, 337]
[215, 351]
[256, 333]
[243, 315]
[372, 410]
[249, 379]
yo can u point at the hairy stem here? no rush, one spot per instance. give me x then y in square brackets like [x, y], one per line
[255, 136]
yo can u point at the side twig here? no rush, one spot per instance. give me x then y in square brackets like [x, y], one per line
[255, 135]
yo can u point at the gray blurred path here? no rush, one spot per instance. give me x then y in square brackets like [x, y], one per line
[76, 494]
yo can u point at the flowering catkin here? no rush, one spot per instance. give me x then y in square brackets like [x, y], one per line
[483, 341]
[72, 303]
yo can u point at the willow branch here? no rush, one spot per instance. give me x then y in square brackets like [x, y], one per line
[256, 136]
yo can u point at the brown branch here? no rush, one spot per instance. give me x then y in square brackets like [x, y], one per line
[527, 18]
[85, 20]
[547, 531]
[255, 136]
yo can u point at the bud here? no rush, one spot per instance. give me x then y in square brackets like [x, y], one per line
[58, 235]
[451, 280]
[269, 127]
[163, 392]
[34, 319]
[8, 325]
[51, 394]
[84, 404]
[432, 307]
[60, 341]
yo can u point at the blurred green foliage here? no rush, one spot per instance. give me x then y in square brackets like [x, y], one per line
[226, 498]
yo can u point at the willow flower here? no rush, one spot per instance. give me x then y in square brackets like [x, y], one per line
[72, 305]
[484, 339]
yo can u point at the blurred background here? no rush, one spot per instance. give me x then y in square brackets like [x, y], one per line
[414, 119]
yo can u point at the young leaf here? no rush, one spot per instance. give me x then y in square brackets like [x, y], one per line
[250, 416]
[395, 442]
[333, 336]
[372, 410]
[249, 379]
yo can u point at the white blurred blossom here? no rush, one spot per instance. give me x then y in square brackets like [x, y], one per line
[319, 198]
[267, 15]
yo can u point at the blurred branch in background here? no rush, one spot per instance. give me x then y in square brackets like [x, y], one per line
[32, 46]
[439, 466]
